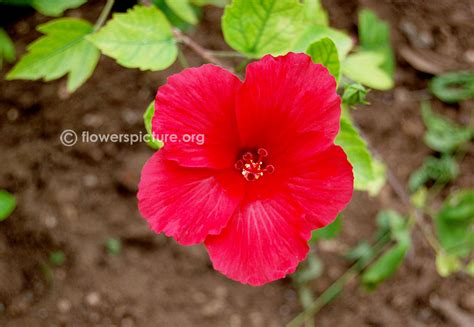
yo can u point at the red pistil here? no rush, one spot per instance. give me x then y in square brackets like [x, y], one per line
[252, 166]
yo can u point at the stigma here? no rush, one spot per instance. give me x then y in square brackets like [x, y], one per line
[252, 166]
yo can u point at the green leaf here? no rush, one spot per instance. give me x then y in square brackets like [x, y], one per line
[113, 246]
[259, 27]
[374, 185]
[357, 153]
[57, 258]
[7, 48]
[418, 199]
[455, 224]
[147, 119]
[313, 33]
[366, 68]
[55, 7]
[385, 266]
[354, 94]
[172, 17]
[390, 221]
[62, 50]
[441, 170]
[447, 264]
[453, 87]
[362, 253]
[315, 13]
[470, 268]
[442, 135]
[374, 36]
[324, 52]
[459, 207]
[310, 269]
[217, 3]
[140, 38]
[328, 232]
[183, 9]
[7, 204]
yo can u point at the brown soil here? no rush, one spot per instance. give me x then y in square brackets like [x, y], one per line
[75, 198]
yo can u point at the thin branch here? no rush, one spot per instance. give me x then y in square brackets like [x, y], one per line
[403, 195]
[204, 53]
[104, 14]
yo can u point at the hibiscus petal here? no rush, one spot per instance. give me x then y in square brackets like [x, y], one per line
[187, 203]
[264, 241]
[322, 184]
[201, 102]
[283, 97]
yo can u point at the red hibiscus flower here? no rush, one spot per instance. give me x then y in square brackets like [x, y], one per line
[267, 174]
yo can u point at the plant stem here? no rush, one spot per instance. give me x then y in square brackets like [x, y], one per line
[226, 54]
[403, 195]
[103, 15]
[336, 287]
[182, 59]
[204, 53]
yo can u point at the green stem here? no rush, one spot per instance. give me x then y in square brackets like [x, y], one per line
[337, 286]
[103, 15]
[182, 59]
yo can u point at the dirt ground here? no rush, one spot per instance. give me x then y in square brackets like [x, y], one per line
[74, 199]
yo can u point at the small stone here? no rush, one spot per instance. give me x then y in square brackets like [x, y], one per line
[235, 320]
[12, 114]
[90, 180]
[469, 56]
[92, 120]
[64, 305]
[93, 299]
[50, 221]
[131, 117]
[127, 322]
[467, 301]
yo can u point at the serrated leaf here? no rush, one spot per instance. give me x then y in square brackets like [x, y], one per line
[7, 48]
[183, 9]
[385, 266]
[62, 50]
[447, 264]
[147, 119]
[357, 153]
[328, 232]
[7, 204]
[453, 87]
[313, 33]
[442, 135]
[315, 13]
[324, 52]
[365, 68]
[140, 38]
[374, 35]
[441, 170]
[455, 224]
[259, 27]
[55, 7]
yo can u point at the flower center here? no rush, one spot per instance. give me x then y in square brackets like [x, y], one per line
[252, 166]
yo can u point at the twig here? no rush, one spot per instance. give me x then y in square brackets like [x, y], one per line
[336, 287]
[103, 15]
[226, 54]
[204, 53]
[402, 194]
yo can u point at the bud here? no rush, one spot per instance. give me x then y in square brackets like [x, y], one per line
[354, 94]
